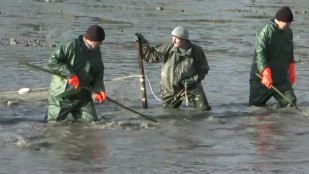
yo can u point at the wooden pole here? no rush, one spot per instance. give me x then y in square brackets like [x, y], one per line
[142, 75]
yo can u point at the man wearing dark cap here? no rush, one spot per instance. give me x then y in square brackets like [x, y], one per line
[184, 67]
[80, 61]
[274, 61]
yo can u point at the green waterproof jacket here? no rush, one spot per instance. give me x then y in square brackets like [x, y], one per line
[73, 58]
[274, 49]
[177, 66]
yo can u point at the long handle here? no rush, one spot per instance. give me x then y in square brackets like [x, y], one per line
[87, 88]
[148, 117]
[283, 96]
[142, 75]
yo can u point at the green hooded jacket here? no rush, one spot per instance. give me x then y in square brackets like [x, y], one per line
[73, 58]
[274, 49]
[177, 65]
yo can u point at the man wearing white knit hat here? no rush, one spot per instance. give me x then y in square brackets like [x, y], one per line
[184, 67]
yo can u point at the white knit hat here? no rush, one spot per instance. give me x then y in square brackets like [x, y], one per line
[181, 32]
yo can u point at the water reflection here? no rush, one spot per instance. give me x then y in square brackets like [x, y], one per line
[264, 132]
[262, 137]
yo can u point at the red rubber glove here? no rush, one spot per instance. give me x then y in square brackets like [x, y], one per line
[292, 73]
[100, 97]
[266, 77]
[74, 81]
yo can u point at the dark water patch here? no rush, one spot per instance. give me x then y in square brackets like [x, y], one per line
[258, 17]
[130, 8]
[197, 146]
[109, 21]
[27, 42]
[40, 146]
[301, 133]
[218, 51]
[204, 21]
[7, 15]
[301, 60]
[169, 10]
[189, 144]
[110, 8]
[305, 103]
[34, 27]
[201, 41]
[264, 6]
[305, 47]
[302, 12]
[136, 125]
[96, 19]
[127, 45]
[31, 16]
[114, 7]
[236, 10]
[14, 121]
[57, 1]
[232, 109]
[241, 41]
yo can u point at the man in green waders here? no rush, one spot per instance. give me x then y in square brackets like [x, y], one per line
[274, 60]
[80, 61]
[184, 67]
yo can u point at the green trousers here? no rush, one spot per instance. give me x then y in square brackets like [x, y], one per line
[260, 94]
[81, 109]
[196, 97]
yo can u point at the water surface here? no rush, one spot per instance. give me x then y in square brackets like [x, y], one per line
[232, 138]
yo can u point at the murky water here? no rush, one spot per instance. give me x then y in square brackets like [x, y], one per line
[232, 138]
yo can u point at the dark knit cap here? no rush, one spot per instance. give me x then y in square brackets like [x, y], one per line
[95, 33]
[284, 14]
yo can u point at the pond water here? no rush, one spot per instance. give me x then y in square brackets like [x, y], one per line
[231, 138]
